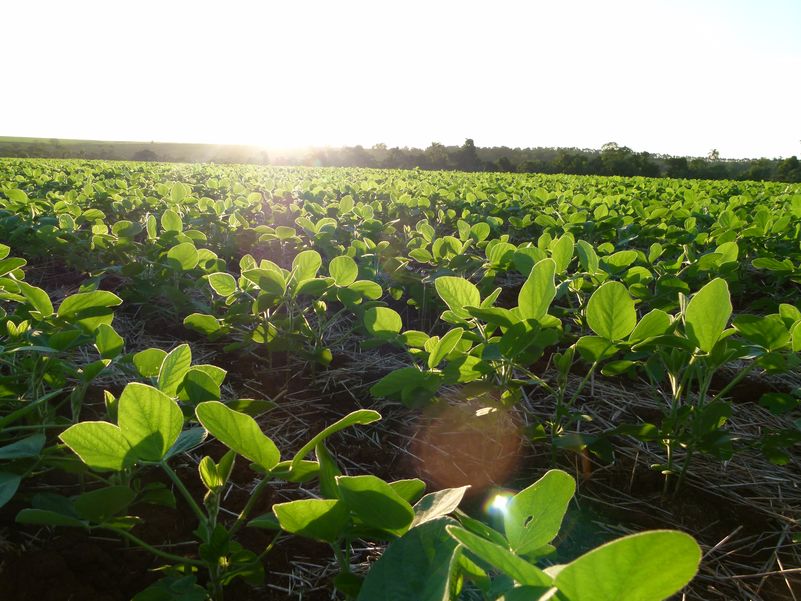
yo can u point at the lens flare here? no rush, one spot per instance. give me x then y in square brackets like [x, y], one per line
[498, 503]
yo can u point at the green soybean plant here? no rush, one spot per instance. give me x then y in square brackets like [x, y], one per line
[149, 433]
[441, 554]
[286, 309]
[487, 343]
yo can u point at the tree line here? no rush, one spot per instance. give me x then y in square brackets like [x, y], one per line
[610, 159]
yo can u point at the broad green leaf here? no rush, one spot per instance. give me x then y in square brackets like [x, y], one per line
[415, 567]
[344, 270]
[108, 343]
[562, 252]
[610, 311]
[89, 309]
[305, 265]
[270, 281]
[458, 293]
[30, 446]
[183, 256]
[149, 419]
[375, 503]
[239, 432]
[100, 445]
[795, 336]
[198, 387]
[394, 382]
[319, 519]
[654, 323]
[534, 515]
[437, 504]
[9, 483]
[707, 314]
[538, 292]
[37, 297]
[148, 362]
[222, 283]
[187, 440]
[382, 322]
[178, 192]
[174, 368]
[360, 417]
[44, 517]
[205, 324]
[649, 566]
[444, 346]
[510, 564]
[409, 489]
[171, 221]
[767, 331]
[103, 503]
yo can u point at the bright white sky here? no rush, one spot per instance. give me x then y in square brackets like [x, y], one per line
[670, 76]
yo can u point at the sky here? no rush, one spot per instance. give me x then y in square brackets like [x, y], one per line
[669, 76]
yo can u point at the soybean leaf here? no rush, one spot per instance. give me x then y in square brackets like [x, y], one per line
[148, 362]
[100, 445]
[37, 297]
[409, 489]
[610, 311]
[654, 323]
[149, 419]
[344, 270]
[444, 346]
[437, 504]
[30, 446]
[108, 343]
[382, 322]
[103, 503]
[649, 566]
[305, 265]
[198, 386]
[458, 293]
[174, 368]
[239, 432]
[415, 567]
[534, 515]
[318, 519]
[9, 483]
[707, 314]
[375, 503]
[538, 291]
[510, 564]
[89, 309]
[182, 256]
[222, 283]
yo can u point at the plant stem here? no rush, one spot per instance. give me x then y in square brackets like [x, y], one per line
[158, 552]
[185, 492]
[254, 497]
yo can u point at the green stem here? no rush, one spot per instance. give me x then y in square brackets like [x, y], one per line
[185, 492]
[736, 380]
[158, 552]
[254, 497]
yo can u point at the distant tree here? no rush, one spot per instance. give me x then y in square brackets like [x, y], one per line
[714, 155]
[436, 156]
[759, 170]
[379, 146]
[677, 167]
[504, 164]
[466, 158]
[788, 170]
[617, 160]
